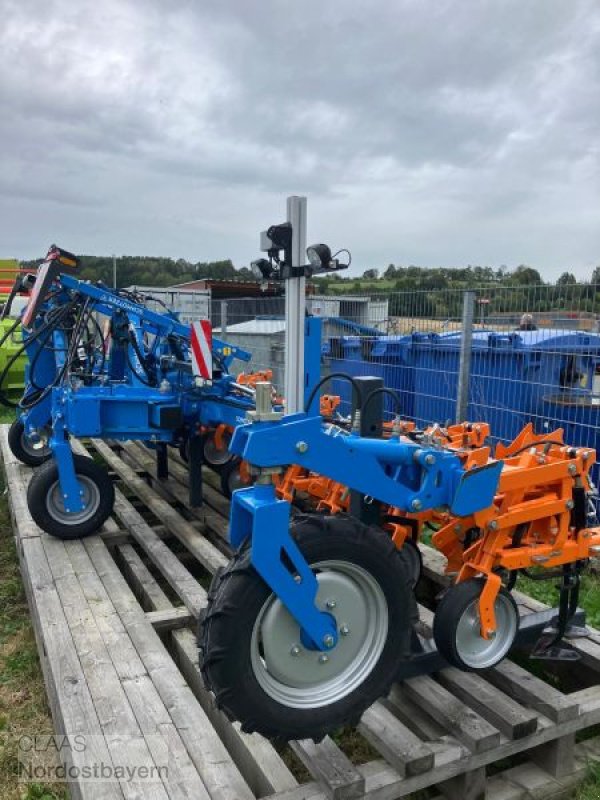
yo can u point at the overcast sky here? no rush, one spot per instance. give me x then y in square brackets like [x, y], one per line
[429, 133]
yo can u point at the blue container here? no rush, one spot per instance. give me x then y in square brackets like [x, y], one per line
[392, 359]
[352, 356]
[512, 375]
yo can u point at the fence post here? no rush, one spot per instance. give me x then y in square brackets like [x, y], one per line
[223, 318]
[464, 367]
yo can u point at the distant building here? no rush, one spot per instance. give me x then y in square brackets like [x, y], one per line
[226, 288]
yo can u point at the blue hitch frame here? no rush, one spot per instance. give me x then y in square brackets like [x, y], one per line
[399, 472]
[257, 514]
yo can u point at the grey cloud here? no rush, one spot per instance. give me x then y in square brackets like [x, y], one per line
[441, 133]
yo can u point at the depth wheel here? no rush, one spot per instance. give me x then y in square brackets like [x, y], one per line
[24, 449]
[251, 650]
[216, 457]
[456, 627]
[46, 505]
[232, 478]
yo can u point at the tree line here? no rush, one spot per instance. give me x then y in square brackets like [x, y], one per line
[153, 270]
[427, 291]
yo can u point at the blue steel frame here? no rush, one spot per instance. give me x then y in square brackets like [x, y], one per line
[122, 406]
[398, 472]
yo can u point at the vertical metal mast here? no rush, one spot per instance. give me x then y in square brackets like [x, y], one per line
[295, 309]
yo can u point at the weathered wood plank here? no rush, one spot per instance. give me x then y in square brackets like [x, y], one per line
[216, 767]
[71, 704]
[502, 711]
[205, 552]
[259, 763]
[457, 717]
[177, 489]
[144, 585]
[179, 578]
[169, 619]
[405, 751]
[533, 691]
[466, 786]
[327, 763]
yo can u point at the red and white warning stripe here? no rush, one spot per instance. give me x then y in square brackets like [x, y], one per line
[201, 341]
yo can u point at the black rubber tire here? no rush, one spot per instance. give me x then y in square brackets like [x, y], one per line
[236, 597]
[46, 476]
[228, 474]
[26, 455]
[450, 609]
[414, 560]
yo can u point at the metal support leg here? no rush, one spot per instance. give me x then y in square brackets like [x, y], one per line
[162, 461]
[195, 469]
[366, 509]
[295, 310]
[464, 369]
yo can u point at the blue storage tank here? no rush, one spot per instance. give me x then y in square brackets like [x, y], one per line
[350, 355]
[436, 361]
[392, 359]
[514, 377]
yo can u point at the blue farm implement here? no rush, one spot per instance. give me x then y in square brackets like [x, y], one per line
[101, 364]
[314, 618]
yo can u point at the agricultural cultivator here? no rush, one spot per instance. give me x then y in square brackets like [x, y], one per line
[101, 364]
[314, 617]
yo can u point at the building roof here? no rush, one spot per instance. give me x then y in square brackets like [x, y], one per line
[231, 287]
[256, 326]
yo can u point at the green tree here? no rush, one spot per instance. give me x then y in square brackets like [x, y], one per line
[371, 274]
[566, 279]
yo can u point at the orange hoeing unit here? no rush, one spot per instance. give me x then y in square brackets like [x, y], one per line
[532, 523]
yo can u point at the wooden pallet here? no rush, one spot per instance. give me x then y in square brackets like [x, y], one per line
[114, 618]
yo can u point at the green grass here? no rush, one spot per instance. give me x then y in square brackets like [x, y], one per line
[547, 592]
[6, 414]
[23, 704]
[590, 788]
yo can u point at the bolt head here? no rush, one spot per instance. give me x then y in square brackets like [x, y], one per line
[493, 525]
[430, 458]
[491, 634]
[457, 528]
[569, 504]
[344, 630]
[416, 504]
[323, 658]
[572, 469]
[295, 650]
[331, 604]
[328, 640]
[301, 447]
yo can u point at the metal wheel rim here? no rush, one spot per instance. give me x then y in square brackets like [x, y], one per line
[235, 481]
[56, 507]
[212, 454]
[304, 681]
[35, 450]
[473, 649]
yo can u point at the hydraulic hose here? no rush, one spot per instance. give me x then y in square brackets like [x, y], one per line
[324, 380]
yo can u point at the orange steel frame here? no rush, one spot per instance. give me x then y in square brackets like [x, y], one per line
[528, 525]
